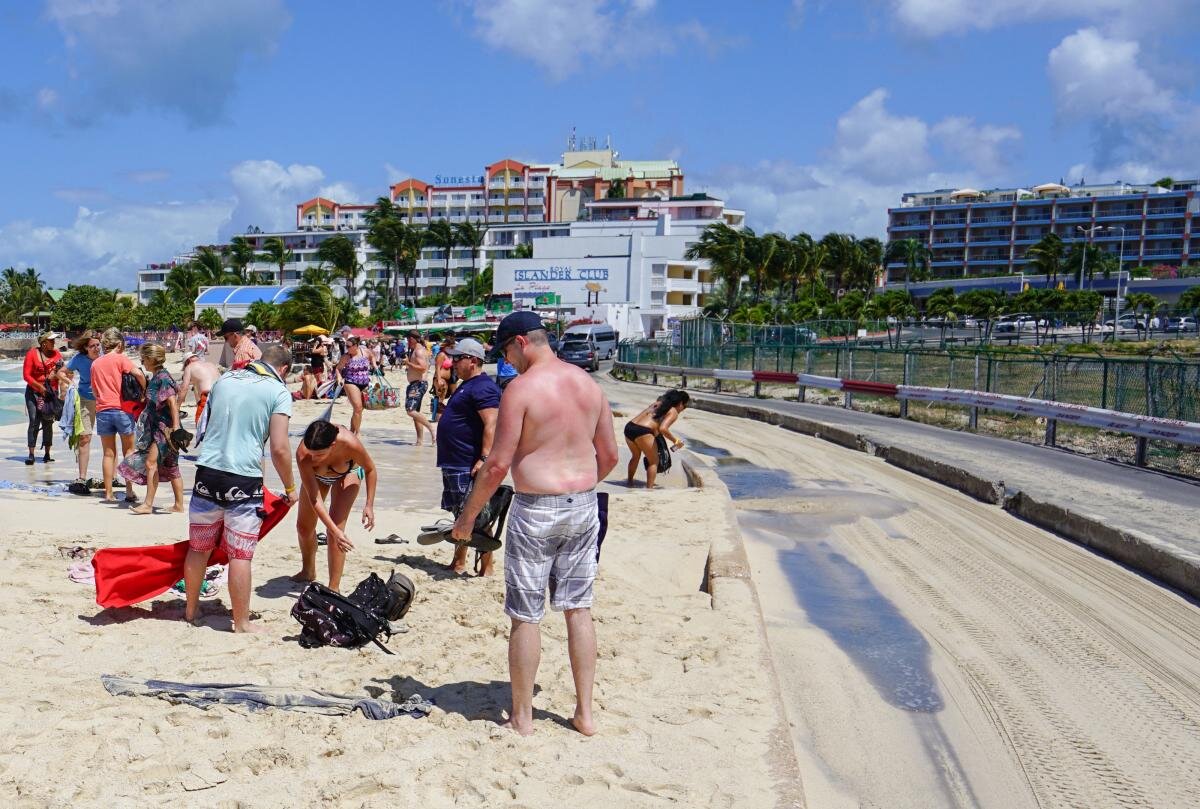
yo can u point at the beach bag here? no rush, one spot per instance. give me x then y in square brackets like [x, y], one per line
[330, 619]
[50, 405]
[133, 395]
[664, 454]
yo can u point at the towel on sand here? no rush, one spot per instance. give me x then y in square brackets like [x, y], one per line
[127, 576]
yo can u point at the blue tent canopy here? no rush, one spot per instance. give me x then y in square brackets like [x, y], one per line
[243, 296]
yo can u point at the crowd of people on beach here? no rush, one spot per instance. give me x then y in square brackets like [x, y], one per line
[542, 422]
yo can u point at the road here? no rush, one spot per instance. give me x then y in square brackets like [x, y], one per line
[935, 651]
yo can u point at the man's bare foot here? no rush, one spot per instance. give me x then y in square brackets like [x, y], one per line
[142, 509]
[195, 620]
[250, 629]
[178, 508]
[487, 570]
[524, 730]
[304, 576]
[585, 726]
[108, 498]
[457, 567]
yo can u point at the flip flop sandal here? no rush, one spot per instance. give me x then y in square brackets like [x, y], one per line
[434, 535]
[437, 526]
[479, 540]
[390, 539]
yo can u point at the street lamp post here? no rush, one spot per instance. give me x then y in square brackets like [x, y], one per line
[1120, 272]
[1089, 233]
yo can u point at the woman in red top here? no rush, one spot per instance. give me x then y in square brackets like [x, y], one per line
[42, 369]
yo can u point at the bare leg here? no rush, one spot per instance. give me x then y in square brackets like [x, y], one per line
[354, 397]
[486, 564]
[650, 450]
[85, 455]
[126, 448]
[635, 455]
[151, 482]
[458, 563]
[177, 490]
[581, 646]
[193, 577]
[239, 596]
[524, 654]
[340, 503]
[420, 421]
[306, 535]
[109, 464]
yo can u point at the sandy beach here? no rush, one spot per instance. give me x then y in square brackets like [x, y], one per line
[684, 712]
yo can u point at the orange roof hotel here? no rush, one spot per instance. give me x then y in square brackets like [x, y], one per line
[510, 192]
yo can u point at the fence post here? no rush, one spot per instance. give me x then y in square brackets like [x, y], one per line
[1143, 447]
[1051, 431]
[973, 418]
[757, 389]
[847, 396]
[904, 377]
[718, 384]
[1104, 384]
[683, 378]
[654, 377]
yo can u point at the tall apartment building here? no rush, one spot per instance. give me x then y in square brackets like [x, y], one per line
[986, 233]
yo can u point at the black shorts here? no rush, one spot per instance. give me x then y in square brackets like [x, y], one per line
[635, 431]
[414, 394]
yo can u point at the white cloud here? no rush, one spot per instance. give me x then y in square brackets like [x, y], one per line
[340, 192]
[267, 192]
[561, 36]
[934, 18]
[878, 145]
[106, 247]
[162, 54]
[1097, 76]
[876, 157]
[986, 147]
[395, 175]
[1141, 130]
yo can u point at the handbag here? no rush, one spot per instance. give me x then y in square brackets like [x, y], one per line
[133, 395]
[664, 454]
[49, 405]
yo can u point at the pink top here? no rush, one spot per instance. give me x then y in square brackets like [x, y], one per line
[106, 380]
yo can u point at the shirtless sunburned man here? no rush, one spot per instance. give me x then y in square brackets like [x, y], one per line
[200, 374]
[555, 433]
[416, 365]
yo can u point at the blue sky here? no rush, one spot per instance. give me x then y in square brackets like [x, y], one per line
[132, 130]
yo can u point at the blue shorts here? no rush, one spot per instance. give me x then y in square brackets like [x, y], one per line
[456, 484]
[114, 422]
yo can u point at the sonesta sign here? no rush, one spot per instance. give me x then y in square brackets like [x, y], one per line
[458, 179]
[562, 274]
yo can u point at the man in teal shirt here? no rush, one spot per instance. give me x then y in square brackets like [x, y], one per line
[247, 409]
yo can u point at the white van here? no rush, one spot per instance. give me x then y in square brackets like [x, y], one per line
[600, 335]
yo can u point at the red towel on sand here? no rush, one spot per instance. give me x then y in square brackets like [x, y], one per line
[127, 576]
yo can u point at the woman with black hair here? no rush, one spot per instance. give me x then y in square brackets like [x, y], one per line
[331, 459]
[642, 430]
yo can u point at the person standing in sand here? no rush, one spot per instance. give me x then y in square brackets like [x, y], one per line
[244, 351]
[200, 374]
[554, 430]
[155, 455]
[331, 460]
[247, 408]
[642, 430]
[111, 419]
[416, 365]
[465, 435]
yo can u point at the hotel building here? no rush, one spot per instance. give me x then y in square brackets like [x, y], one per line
[623, 263]
[979, 234]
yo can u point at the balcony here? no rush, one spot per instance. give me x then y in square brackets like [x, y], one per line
[1166, 211]
[990, 240]
[946, 262]
[954, 242]
[496, 200]
[1129, 213]
[910, 225]
[1178, 253]
[658, 284]
[991, 220]
[1073, 216]
[1159, 234]
[949, 222]
[1044, 216]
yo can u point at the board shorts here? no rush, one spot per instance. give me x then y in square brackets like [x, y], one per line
[413, 395]
[200, 404]
[456, 484]
[550, 542]
[227, 509]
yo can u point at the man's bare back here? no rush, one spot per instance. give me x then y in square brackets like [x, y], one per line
[201, 375]
[560, 411]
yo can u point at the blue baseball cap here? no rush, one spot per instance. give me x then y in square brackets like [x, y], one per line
[516, 324]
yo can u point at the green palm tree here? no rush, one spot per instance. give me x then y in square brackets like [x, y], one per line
[802, 254]
[841, 257]
[915, 256]
[316, 276]
[869, 263]
[1047, 257]
[240, 255]
[210, 267]
[723, 247]
[442, 236]
[338, 252]
[523, 250]
[23, 291]
[183, 283]
[276, 252]
[470, 235]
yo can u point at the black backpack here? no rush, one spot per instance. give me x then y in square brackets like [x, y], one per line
[664, 454]
[331, 619]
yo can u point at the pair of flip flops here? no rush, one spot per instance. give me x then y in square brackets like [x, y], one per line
[440, 532]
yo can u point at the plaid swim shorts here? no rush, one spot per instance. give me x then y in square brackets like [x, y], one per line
[550, 541]
[456, 483]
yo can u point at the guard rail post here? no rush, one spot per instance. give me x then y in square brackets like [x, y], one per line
[1143, 448]
[757, 389]
[654, 377]
[683, 377]
[973, 422]
[1051, 432]
[847, 396]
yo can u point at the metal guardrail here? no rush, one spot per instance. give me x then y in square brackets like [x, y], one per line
[1142, 427]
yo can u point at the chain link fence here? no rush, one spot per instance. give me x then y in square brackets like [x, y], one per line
[1162, 386]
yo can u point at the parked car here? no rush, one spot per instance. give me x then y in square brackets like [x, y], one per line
[1127, 323]
[580, 352]
[1181, 324]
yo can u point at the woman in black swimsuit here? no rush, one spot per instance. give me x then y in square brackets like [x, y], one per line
[331, 458]
[641, 430]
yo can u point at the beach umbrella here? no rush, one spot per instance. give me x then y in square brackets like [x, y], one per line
[310, 330]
